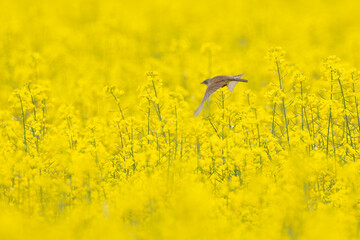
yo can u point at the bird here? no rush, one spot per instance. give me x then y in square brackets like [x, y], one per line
[215, 83]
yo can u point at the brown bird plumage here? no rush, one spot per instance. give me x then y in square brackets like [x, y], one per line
[216, 83]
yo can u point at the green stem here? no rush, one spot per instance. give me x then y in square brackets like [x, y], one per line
[23, 117]
[273, 120]
[328, 133]
[356, 104]
[148, 121]
[283, 104]
[257, 125]
[302, 106]
[169, 152]
[156, 106]
[43, 120]
[346, 116]
[214, 128]
[176, 131]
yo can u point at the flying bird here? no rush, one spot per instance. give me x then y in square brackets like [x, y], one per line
[217, 82]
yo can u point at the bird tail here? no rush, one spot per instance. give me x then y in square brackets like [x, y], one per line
[199, 109]
[239, 76]
[239, 79]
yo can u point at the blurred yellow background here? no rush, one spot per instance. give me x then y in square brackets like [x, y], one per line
[98, 138]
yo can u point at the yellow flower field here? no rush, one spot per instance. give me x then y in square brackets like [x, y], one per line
[98, 138]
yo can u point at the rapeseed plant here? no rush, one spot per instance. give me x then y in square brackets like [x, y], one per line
[98, 140]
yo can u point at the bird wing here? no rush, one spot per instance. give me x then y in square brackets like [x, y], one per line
[210, 90]
[199, 109]
[213, 88]
[231, 85]
[220, 78]
[234, 80]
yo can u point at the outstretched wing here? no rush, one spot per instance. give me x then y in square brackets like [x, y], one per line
[231, 85]
[235, 79]
[210, 90]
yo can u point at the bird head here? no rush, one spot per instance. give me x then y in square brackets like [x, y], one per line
[206, 82]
